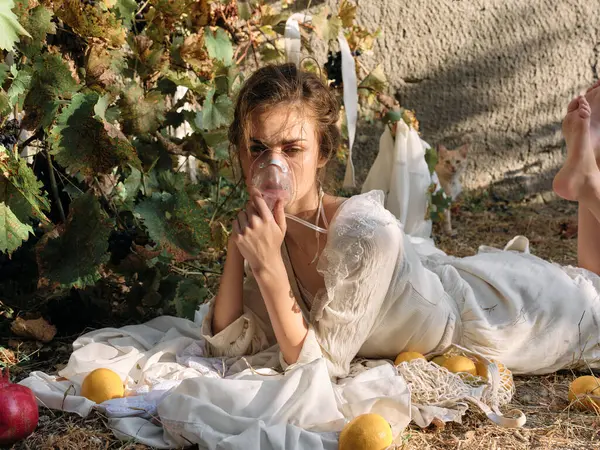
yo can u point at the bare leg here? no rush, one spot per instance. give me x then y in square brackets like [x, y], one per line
[588, 242]
[579, 180]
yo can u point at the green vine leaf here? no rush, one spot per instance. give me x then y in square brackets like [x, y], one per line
[12, 231]
[188, 80]
[188, 297]
[5, 106]
[20, 190]
[126, 10]
[38, 24]
[142, 114]
[71, 254]
[4, 71]
[51, 81]
[244, 10]
[216, 113]
[19, 86]
[217, 140]
[176, 223]
[375, 81]
[10, 28]
[431, 158]
[218, 45]
[86, 145]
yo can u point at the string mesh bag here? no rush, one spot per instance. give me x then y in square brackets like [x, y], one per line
[491, 388]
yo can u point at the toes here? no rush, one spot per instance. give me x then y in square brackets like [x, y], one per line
[584, 113]
[573, 105]
[584, 108]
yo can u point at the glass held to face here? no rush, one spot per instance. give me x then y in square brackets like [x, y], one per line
[273, 177]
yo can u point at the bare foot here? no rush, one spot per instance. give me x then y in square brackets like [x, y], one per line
[593, 98]
[579, 175]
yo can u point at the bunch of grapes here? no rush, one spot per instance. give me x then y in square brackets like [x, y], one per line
[333, 66]
[119, 243]
[9, 134]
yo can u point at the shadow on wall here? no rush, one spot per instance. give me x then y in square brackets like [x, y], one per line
[470, 84]
[508, 92]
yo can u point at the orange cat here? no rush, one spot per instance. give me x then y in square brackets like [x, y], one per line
[450, 167]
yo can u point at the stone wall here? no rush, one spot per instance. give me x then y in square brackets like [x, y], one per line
[500, 71]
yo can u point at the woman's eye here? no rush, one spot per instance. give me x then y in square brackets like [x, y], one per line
[293, 150]
[256, 149]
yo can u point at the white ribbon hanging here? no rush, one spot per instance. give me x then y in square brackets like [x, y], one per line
[293, 43]
[293, 51]
[350, 104]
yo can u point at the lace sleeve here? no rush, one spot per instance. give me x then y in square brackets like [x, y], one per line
[358, 264]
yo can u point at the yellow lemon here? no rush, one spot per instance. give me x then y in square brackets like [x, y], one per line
[459, 364]
[482, 369]
[366, 432]
[101, 385]
[585, 385]
[407, 356]
[439, 360]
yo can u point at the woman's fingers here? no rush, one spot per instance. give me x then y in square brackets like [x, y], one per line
[261, 207]
[253, 215]
[236, 228]
[279, 215]
[242, 221]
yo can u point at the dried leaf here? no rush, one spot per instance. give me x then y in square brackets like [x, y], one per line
[347, 13]
[38, 329]
[194, 53]
[7, 357]
[569, 230]
[91, 20]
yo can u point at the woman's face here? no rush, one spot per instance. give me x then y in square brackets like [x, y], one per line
[283, 129]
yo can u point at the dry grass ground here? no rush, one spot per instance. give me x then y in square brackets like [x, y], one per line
[551, 423]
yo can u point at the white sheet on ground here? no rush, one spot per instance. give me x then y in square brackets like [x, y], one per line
[175, 396]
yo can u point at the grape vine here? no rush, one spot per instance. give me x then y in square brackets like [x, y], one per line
[112, 98]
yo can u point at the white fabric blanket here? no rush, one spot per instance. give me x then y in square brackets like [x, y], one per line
[176, 397]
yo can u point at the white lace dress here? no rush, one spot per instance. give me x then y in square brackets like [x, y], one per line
[382, 297]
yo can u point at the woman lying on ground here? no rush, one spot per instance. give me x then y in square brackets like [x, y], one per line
[357, 287]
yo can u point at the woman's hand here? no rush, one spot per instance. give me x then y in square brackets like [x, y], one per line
[258, 233]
